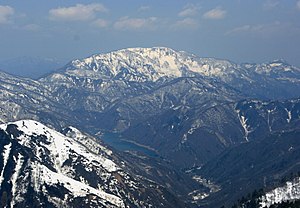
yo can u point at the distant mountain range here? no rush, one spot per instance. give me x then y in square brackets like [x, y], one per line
[194, 112]
[31, 67]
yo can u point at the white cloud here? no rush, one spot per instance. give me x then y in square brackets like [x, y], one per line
[79, 12]
[5, 13]
[144, 8]
[298, 5]
[267, 30]
[31, 27]
[187, 23]
[271, 4]
[216, 13]
[126, 23]
[245, 28]
[101, 23]
[189, 10]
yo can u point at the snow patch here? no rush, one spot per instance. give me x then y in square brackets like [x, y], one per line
[269, 122]
[77, 188]
[275, 64]
[289, 192]
[243, 120]
[19, 161]
[197, 195]
[289, 115]
[7, 149]
[207, 183]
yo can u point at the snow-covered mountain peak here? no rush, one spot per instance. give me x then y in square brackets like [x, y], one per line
[29, 127]
[151, 64]
[154, 51]
[147, 64]
[278, 67]
[136, 69]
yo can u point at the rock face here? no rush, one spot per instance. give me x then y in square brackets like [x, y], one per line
[42, 167]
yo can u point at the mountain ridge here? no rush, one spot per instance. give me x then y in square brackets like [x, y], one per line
[40, 166]
[172, 59]
[148, 67]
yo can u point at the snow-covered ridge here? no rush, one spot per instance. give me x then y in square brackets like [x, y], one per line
[56, 157]
[148, 64]
[59, 143]
[151, 64]
[275, 67]
[289, 192]
[42, 167]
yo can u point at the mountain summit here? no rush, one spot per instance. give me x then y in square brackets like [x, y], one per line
[152, 64]
[148, 64]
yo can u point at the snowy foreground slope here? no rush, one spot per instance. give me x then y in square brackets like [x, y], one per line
[289, 192]
[42, 167]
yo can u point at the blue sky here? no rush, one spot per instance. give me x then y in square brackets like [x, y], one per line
[238, 30]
